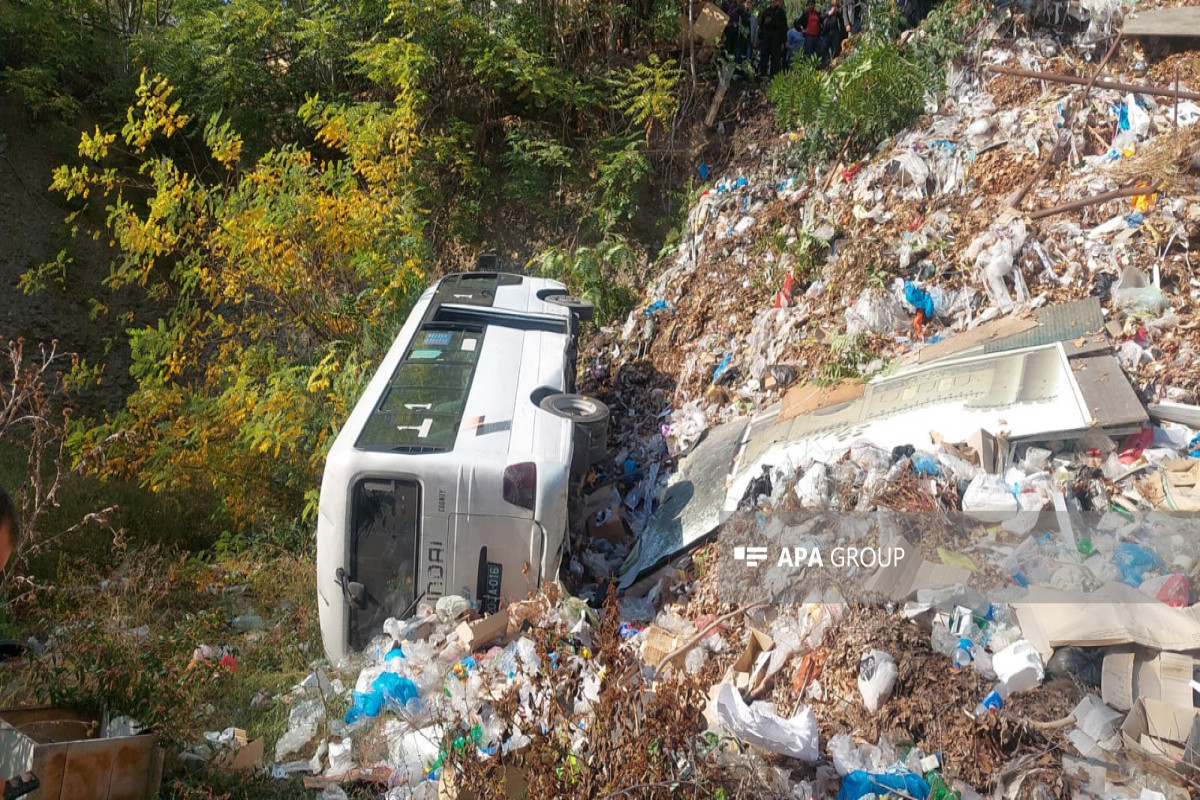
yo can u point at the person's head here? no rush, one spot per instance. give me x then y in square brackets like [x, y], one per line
[812, 6]
[10, 527]
[798, 23]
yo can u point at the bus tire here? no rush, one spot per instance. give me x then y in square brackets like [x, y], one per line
[578, 408]
[581, 308]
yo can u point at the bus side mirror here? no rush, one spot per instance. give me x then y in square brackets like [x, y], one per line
[352, 591]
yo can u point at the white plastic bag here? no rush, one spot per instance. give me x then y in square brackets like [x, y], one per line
[876, 678]
[760, 725]
[989, 499]
[813, 487]
[875, 311]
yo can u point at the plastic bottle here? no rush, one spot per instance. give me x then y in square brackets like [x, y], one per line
[938, 790]
[993, 701]
[962, 653]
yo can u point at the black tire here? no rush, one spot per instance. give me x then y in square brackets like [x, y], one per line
[579, 307]
[575, 407]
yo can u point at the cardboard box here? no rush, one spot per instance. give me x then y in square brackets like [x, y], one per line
[1163, 677]
[658, 644]
[608, 524]
[991, 451]
[244, 756]
[1157, 734]
[752, 669]
[476, 634]
[61, 748]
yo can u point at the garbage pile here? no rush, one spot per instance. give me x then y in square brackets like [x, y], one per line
[971, 357]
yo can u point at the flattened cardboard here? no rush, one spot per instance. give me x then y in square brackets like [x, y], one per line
[658, 645]
[514, 780]
[902, 578]
[809, 397]
[977, 336]
[608, 525]
[707, 26]
[1116, 614]
[478, 633]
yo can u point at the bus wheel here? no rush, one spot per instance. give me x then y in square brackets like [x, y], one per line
[576, 407]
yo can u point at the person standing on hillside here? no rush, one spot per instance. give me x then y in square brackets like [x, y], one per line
[795, 43]
[737, 32]
[833, 31]
[772, 33]
[810, 24]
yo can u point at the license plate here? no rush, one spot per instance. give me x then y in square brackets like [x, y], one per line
[490, 599]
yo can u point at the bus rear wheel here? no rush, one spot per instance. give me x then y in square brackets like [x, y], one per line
[578, 408]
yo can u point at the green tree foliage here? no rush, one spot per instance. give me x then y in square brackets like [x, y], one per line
[871, 95]
[273, 272]
[279, 189]
[56, 54]
[601, 274]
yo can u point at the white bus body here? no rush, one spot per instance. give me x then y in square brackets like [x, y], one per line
[450, 476]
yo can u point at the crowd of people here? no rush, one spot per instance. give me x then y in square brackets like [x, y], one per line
[762, 37]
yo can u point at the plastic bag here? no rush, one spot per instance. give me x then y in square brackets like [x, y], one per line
[894, 781]
[813, 487]
[341, 757]
[1171, 589]
[925, 465]
[1134, 293]
[1086, 664]
[849, 757]
[1134, 561]
[875, 311]
[760, 725]
[876, 678]
[989, 499]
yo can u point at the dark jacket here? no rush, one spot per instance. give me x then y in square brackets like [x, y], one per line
[774, 19]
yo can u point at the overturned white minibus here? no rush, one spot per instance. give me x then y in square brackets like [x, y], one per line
[451, 475]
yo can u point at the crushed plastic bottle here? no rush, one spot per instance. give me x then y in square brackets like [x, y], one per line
[993, 700]
[962, 653]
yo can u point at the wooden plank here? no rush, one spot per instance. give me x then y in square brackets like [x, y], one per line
[132, 765]
[89, 769]
[1174, 22]
[50, 765]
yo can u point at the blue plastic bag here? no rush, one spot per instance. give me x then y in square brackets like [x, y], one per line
[859, 784]
[925, 465]
[920, 299]
[388, 688]
[1133, 561]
